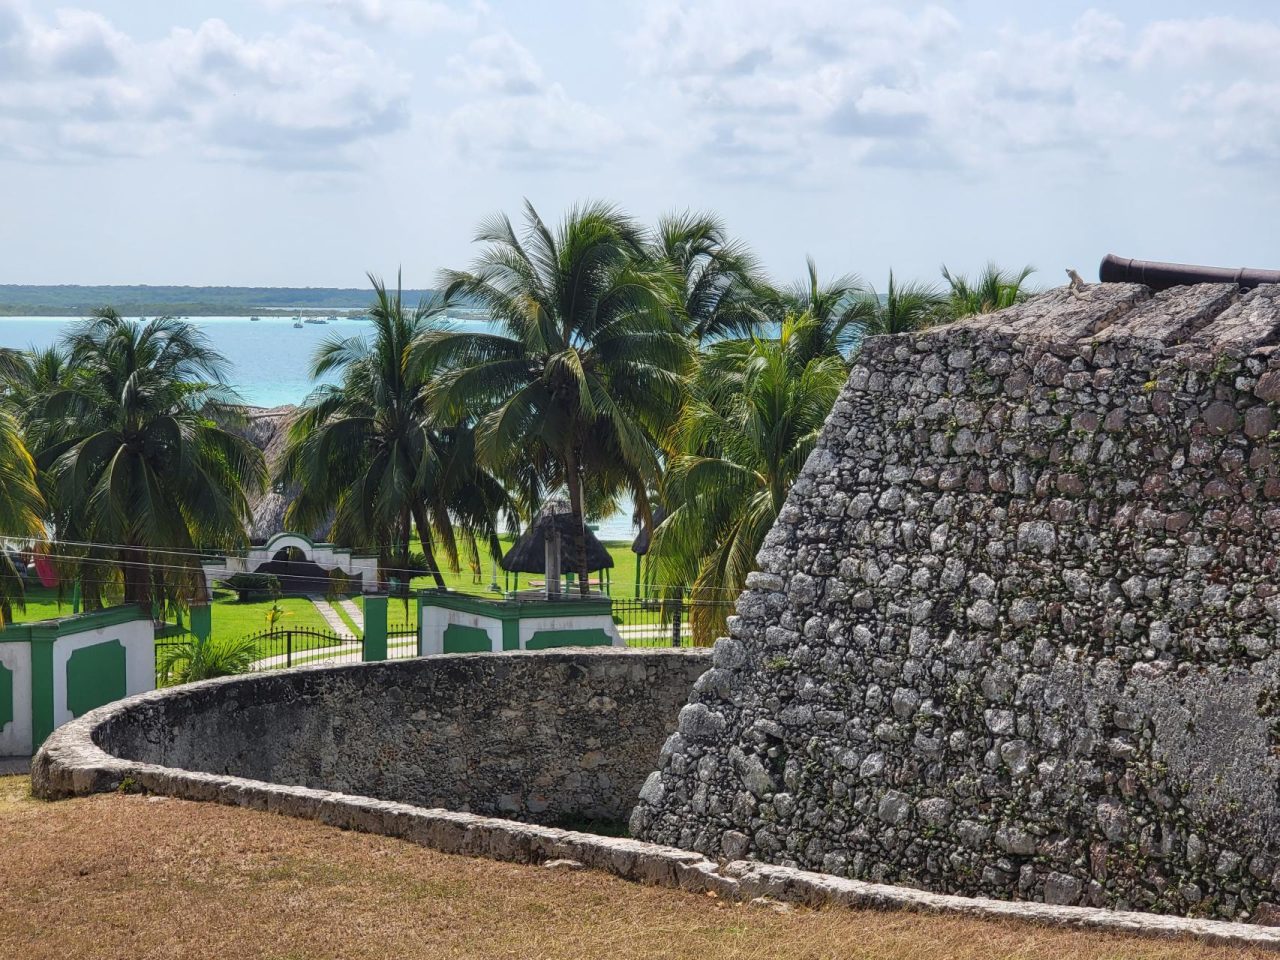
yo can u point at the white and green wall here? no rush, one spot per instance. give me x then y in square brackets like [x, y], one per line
[454, 623]
[55, 670]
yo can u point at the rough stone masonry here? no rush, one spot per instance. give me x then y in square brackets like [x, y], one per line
[1015, 631]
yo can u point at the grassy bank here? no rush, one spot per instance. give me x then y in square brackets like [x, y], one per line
[130, 876]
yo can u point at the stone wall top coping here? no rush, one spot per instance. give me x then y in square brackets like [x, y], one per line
[1208, 317]
[71, 764]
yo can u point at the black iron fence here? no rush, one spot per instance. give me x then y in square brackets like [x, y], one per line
[270, 649]
[297, 646]
[402, 641]
[677, 622]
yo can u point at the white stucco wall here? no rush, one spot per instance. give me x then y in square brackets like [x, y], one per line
[15, 736]
[138, 640]
[533, 625]
[324, 554]
[435, 620]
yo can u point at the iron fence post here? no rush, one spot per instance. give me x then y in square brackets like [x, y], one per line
[288, 648]
[676, 617]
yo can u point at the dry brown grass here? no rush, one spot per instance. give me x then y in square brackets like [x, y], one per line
[133, 877]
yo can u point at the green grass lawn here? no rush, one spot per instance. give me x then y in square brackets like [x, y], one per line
[42, 604]
[231, 618]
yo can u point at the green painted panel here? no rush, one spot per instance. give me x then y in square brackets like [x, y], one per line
[375, 628]
[6, 696]
[41, 690]
[510, 634]
[568, 638]
[202, 621]
[460, 639]
[95, 675]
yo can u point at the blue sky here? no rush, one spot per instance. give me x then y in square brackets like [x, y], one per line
[296, 142]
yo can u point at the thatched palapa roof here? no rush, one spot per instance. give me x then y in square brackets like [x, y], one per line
[528, 554]
[640, 546]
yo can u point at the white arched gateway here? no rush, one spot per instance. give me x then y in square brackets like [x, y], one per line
[324, 555]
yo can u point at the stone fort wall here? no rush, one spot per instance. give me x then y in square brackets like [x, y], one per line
[1015, 631]
[549, 737]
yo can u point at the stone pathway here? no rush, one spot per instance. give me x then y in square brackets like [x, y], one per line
[397, 648]
[354, 612]
[331, 617]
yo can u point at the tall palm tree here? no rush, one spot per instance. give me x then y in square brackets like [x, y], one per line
[368, 452]
[586, 367]
[757, 408]
[27, 378]
[839, 309]
[993, 289]
[20, 508]
[718, 289]
[140, 461]
[904, 307]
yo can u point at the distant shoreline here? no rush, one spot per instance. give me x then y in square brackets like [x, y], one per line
[70, 300]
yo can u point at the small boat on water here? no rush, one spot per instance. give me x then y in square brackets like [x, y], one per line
[254, 319]
[333, 318]
[315, 320]
[297, 323]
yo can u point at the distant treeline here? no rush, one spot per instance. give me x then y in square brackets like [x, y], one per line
[71, 300]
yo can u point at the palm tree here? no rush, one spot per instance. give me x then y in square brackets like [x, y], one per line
[28, 378]
[904, 307]
[757, 408]
[840, 309]
[141, 465]
[717, 285]
[20, 509]
[367, 453]
[993, 289]
[586, 367]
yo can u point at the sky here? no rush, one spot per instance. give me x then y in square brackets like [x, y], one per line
[305, 142]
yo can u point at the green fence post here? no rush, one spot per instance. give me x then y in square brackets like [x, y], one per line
[201, 619]
[375, 627]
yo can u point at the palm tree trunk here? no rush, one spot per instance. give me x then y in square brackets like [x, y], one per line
[428, 551]
[579, 522]
[137, 577]
[405, 574]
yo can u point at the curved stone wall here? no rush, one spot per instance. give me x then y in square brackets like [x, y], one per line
[1015, 631]
[551, 737]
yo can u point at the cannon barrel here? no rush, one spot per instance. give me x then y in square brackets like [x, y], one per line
[1161, 276]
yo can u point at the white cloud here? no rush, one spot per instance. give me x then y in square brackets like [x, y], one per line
[75, 87]
[909, 84]
[417, 15]
[513, 115]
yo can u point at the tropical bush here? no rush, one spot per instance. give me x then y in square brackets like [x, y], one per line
[196, 659]
[252, 586]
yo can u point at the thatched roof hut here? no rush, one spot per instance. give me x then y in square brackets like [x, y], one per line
[529, 553]
[640, 546]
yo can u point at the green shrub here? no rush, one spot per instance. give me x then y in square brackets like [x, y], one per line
[253, 586]
[196, 659]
